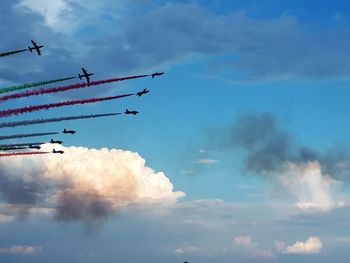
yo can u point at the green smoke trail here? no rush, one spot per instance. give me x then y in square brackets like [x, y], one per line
[12, 148]
[32, 85]
[58, 119]
[2, 146]
[12, 52]
[26, 135]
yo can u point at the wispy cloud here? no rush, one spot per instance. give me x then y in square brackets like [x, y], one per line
[250, 248]
[207, 161]
[19, 249]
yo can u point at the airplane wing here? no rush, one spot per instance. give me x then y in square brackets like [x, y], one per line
[34, 44]
[39, 51]
[84, 71]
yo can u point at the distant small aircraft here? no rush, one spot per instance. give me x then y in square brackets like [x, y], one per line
[133, 112]
[140, 93]
[59, 142]
[69, 131]
[157, 74]
[59, 151]
[35, 47]
[34, 146]
[85, 75]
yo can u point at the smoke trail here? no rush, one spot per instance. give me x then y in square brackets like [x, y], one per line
[32, 85]
[10, 112]
[12, 148]
[20, 144]
[59, 119]
[65, 88]
[12, 52]
[26, 135]
[21, 153]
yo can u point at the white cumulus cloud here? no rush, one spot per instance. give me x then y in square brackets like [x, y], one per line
[312, 245]
[83, 184]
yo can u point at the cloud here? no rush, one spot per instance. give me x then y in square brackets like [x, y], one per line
[20, 250]
[54, 12]
[250, 248]
[311, 187]
[147, 37]
[83, 184]
[187, 250]
[266, 145]
[275, 154]
[207, 161]
[312, 245]
[6, 218]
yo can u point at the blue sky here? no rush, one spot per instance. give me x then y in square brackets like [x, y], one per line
[239, 152]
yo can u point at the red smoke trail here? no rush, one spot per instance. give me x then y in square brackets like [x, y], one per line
[21, 153]
[7, 113]
[65, 88]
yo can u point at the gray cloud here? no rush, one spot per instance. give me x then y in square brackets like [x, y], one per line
[266, 146]
[151, 37]
[86, 207]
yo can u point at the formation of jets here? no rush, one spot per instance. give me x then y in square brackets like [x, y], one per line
[132, 112]
[140, 93]
[35, 47]
[85, 75]
[68, 131]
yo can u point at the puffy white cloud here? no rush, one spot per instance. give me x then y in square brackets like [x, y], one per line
[311, 187]
[20, 250]
[312, 245]
[82, 184]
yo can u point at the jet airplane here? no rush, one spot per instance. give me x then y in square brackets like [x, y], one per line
[157, 74]
[133, 112]
[59, 151]
[59, 142]
[85, 75]
[68, 131]
[31, 146]
[140, 93]
[35, 47]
